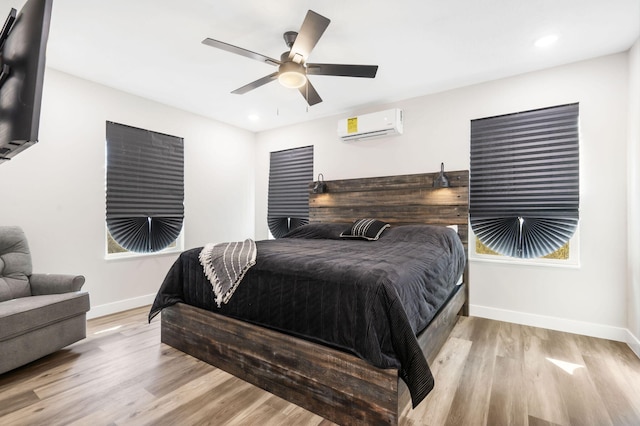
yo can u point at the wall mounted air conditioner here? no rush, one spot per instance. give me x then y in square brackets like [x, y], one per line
[367, 126]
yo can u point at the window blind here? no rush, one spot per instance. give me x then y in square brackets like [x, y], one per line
[524, 180]
[290, 172]
[145, 187]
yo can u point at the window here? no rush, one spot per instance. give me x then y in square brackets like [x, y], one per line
[145, 189]
[290, 173]
[524, 181]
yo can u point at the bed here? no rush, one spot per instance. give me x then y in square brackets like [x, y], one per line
[351, 344]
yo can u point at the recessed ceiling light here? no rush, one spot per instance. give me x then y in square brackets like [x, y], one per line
[546, 41]
[253, 117]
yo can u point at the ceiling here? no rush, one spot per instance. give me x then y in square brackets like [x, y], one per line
[152, 48]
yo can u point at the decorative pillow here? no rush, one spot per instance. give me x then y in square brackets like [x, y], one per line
[368, 229]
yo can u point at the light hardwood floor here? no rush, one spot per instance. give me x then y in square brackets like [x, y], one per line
[488, 373]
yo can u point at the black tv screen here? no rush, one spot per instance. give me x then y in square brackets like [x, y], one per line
[22, 65]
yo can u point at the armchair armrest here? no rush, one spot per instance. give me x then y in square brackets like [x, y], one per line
[55, 283]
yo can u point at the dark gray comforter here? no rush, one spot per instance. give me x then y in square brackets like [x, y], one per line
[369, 298]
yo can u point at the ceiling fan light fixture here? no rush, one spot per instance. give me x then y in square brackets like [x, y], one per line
[292, 79]
[293, 65]
[292, 75]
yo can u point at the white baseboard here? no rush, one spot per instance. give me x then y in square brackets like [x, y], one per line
[119, 306]
[633, 342]
[553, 323]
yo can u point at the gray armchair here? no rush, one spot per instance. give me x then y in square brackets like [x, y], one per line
[39, 313]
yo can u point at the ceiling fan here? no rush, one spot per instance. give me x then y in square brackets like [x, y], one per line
[293, 68]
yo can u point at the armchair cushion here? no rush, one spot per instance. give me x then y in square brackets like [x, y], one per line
[26, 314]
[15, 263]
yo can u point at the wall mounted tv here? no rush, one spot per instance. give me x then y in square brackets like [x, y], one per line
[23, 44]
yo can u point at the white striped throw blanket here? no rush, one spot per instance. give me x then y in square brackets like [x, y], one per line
[225, 265]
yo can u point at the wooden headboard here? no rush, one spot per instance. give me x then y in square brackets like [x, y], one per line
[399, 200]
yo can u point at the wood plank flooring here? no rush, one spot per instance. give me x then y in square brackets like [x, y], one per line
[488, 373]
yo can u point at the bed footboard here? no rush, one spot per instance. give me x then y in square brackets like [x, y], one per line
[335, 385]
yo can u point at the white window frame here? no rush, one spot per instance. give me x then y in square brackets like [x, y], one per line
[572, 262]
[179, 248]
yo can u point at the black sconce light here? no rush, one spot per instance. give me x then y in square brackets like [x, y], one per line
[441, 181]
[319, 187]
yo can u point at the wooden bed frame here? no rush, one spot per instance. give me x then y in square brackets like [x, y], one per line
[335, 385]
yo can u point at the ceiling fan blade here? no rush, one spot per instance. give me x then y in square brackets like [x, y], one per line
[255, 84]
[310, 94]
[366, 71]
[240, 51]
[310, 32]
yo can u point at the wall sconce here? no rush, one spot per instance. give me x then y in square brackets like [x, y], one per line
[441, 181]
[319, 187]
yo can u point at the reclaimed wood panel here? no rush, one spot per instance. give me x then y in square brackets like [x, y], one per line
[335, 385]
[338, 386]
[459, 178]
[398, 196]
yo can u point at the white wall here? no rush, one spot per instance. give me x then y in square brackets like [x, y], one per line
[633, 289]
[55, 190]
[589, 299]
